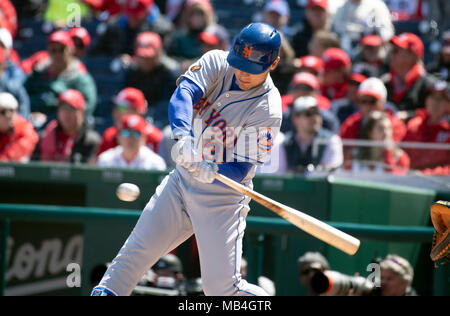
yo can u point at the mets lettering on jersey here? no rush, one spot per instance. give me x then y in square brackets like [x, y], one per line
[231, 125]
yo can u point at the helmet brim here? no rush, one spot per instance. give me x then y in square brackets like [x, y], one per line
[245, 65]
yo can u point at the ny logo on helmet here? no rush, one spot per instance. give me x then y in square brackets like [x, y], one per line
[247, 51]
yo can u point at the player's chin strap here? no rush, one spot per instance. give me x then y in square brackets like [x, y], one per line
[102, 291]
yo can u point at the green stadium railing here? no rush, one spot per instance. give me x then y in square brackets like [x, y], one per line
[258, 228]
[329, 198]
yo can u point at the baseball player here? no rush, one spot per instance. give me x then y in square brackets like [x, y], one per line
[225, 115]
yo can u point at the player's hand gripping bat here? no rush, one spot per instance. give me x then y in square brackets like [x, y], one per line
[309, 224]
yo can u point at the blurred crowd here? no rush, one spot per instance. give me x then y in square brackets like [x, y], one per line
[364, 83]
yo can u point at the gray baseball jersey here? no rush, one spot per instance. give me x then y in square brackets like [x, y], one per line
[228, 125]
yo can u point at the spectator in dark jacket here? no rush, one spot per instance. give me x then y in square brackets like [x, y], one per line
[296, 154]
[68, 138]
[154, 74]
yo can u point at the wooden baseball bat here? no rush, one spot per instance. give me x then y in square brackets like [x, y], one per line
[309, 224]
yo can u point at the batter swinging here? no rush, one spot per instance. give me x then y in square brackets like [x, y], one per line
[225, 114]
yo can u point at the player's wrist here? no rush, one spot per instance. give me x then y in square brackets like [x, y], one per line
[180, 133]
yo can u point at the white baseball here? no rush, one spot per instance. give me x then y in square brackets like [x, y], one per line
[128, 192]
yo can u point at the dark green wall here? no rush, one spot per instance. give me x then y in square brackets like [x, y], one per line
[326, 199]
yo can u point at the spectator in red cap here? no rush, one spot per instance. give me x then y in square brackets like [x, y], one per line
[214, 37]
[8, 17]
[390, 158]
[317, 18]
[81, 40]
[9, 82]
[337, 66]
[305, 84]
[440, 66]
[132, 152]
[198, 15]
[431, 125]
[302, 84]
[310, 64]
[372, 58]
[359, 17]
[129, 101]
[138, 16]
[68, 138]
[153, 73]
[372, 96]
[17, 135]
[57, 74]
[407, 82]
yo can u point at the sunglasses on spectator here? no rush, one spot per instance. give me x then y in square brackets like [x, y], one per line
[371, 101]
[5, 111]
[130, 133]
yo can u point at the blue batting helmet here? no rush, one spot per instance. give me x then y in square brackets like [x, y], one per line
[255, 48]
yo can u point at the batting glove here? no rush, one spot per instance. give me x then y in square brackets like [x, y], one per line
[204, 171]
[184, 152]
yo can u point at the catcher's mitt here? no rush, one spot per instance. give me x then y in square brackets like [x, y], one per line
[440, 216]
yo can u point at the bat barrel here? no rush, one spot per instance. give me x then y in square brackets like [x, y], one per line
[309, 224]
